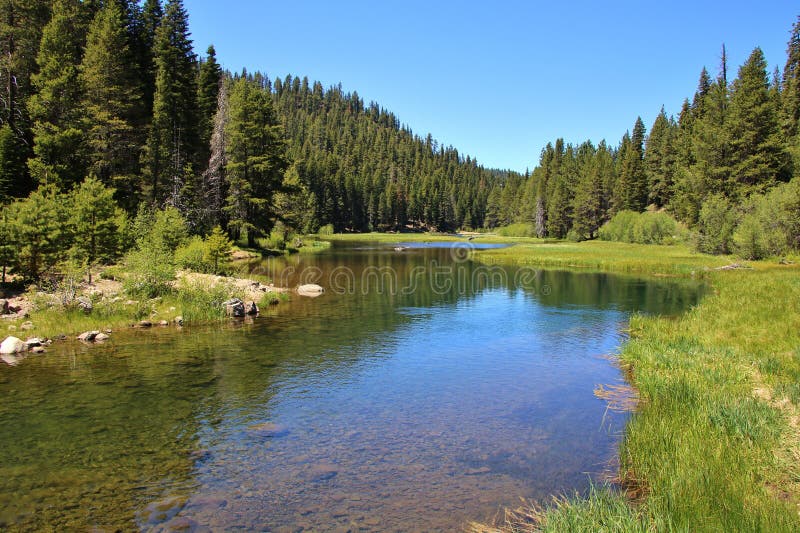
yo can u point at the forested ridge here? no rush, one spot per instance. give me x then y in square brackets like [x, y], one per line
[114, 90]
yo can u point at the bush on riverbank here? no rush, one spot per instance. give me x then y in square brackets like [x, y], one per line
[642, 228]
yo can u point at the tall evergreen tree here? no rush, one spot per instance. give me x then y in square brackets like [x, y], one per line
[172, 143]
[108, 102]
[790, 96]
[256, 161]
[631, 187]
[208, 83]
[758, 155]
[659, 159]
[21, 24]
[55, 108]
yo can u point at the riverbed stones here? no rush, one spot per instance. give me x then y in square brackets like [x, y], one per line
[163, 323]
[311, 290]
[145, 324]
[12, 345]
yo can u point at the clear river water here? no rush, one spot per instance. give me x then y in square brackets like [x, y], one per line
[420, 392]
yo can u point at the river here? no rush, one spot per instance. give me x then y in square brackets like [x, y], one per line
[421, 391]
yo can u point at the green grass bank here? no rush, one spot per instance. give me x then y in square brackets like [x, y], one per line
[714, 444]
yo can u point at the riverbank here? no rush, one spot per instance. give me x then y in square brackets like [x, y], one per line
[714, 442]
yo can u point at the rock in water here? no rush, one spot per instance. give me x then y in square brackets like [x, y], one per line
[12, 345]
[88, 336]
[310, 289]
[4, 307]
[252, 308]
[234, 307]
[100, 337]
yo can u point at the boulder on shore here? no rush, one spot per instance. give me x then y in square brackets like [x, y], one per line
[4, 307]
[310, 289]
[234, 308]
[12, 345]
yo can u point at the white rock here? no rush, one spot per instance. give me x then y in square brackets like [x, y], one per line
[12, 345]
[310, 289]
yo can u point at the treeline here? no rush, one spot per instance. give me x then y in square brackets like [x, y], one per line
[732, 144]
[113, 89]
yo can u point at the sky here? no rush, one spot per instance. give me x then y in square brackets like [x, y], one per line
[500, 79]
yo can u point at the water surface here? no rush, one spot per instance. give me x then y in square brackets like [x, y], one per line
[420, 392]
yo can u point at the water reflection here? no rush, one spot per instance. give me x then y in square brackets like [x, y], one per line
[367, 410]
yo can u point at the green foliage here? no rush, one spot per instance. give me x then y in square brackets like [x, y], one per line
[641, 228]
[771, 225]
[716, 225]
[210, 255]
[12, 163]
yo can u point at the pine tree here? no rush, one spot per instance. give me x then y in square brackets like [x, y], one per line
[172, 143]
[21, 24]
[109, 102]
[149, 19]
[256, 161]
[632, 184]
[659, 160]
[208, 84]
[758, 156]
[55, 108]
[790, 96]
[93, 220]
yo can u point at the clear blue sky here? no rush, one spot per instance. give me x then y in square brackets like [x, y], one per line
[498, 80]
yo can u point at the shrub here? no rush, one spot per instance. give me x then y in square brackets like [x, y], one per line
[716, 226]
[642, 228]
[749, 241]
[151, 269]
[327, 229]
[191, 255]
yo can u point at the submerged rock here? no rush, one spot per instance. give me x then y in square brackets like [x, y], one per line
[12, 345]
[268, 429]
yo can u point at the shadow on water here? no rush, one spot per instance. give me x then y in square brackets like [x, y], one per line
[422, 390]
